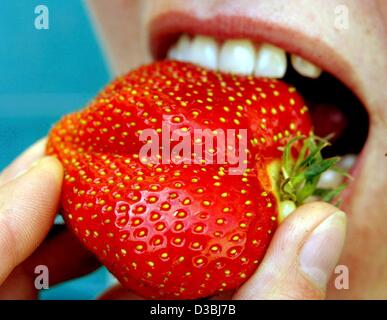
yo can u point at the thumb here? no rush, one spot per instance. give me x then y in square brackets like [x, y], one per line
[28, 206]
[23, 162]
[302, 255]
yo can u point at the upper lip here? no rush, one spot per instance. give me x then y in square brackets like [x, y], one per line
[165, 28]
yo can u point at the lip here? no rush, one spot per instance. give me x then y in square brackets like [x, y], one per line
[165, 28]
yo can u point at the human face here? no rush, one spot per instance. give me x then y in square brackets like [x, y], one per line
[136, 32]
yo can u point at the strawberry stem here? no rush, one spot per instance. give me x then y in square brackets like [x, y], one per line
[300, 176]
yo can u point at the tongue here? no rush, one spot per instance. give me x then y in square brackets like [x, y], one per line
[328, 119]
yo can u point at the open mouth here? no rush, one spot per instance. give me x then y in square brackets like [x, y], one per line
[335, 110]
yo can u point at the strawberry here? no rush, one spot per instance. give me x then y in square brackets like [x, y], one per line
[180, 230]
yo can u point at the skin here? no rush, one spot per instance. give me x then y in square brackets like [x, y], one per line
[26, 218]
[124, 27]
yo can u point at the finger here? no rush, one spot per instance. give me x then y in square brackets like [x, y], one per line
[118, 292]
[28, 206]
[303, 253]
[64, 256]
[18, 287]
[23, 162]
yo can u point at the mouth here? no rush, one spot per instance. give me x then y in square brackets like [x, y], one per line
[250, 48]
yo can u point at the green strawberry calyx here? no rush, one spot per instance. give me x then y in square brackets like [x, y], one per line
[299, 176]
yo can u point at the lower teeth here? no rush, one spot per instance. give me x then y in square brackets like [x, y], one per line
[331, 179]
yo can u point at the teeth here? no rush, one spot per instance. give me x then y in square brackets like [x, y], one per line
[305, 67]
[240, 56]
[347, 162]
[173, 54]
[181, 50]
[237, 56]
[204, 52]
[330, 179]
[271, 62]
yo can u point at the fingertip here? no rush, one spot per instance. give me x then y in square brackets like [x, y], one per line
[24, 162]
[301, 256]
[309, 214]
[320, 206]
[294, 230]
[47, 173]
[35, 151]
[29, 205]
[52, 166]
[321, 250]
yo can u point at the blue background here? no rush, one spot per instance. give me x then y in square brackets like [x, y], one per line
[43, 75]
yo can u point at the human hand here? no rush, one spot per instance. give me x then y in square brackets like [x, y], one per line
[29, 194]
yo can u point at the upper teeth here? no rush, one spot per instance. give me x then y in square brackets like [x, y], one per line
[237, 56]
[204, 51]
[240, 56]
[181, 50]
[271, 62]
[305, 67]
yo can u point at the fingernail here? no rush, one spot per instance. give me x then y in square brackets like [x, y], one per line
[30, 167]
[42, 162]
[36, 163]
[24, 162]
[322, 249]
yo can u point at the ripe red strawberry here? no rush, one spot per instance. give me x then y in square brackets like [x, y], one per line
[176, 230]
